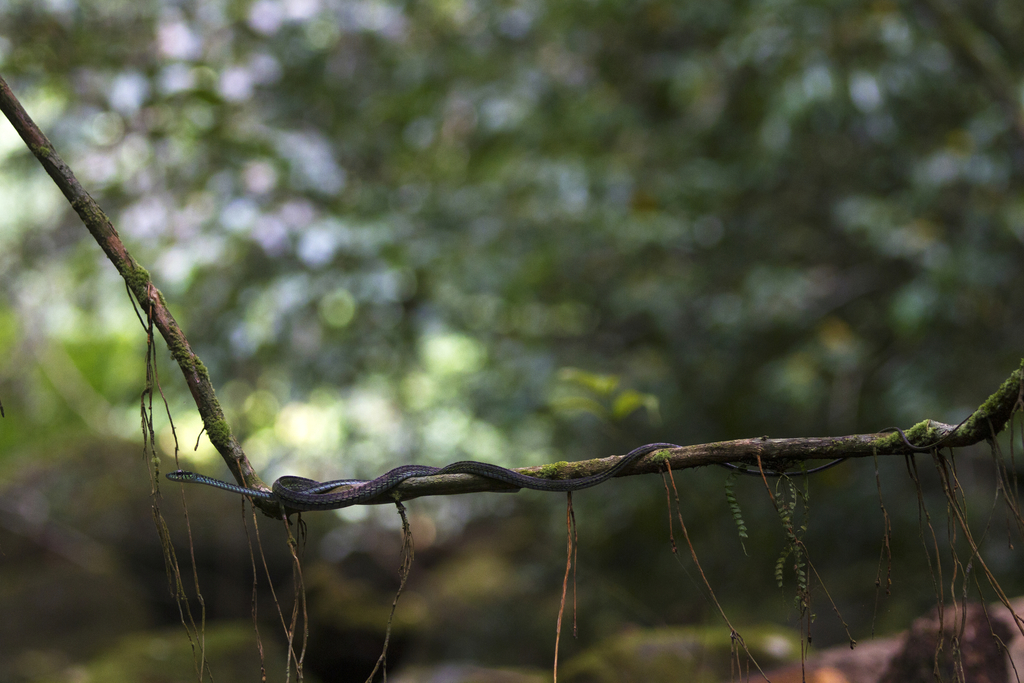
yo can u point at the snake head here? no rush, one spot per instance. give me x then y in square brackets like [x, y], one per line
[182, 475]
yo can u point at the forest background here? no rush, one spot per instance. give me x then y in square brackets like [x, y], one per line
[518, 232]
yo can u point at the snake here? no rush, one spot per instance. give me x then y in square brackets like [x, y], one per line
[298, 494]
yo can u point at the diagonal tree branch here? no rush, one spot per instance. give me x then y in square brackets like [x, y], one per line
[987, 421]
[139, 283]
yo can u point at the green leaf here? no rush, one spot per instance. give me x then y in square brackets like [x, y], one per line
[578, 404]
[602, 385]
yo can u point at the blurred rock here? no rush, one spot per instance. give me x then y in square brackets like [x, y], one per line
[167, 656]
[841, 664]
[467, 673]
[976, 644]
[958, 644]
[695, 655]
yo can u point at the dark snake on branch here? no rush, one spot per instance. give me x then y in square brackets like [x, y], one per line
[298, 494]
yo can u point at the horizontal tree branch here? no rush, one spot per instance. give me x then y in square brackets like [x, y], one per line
[984, 423]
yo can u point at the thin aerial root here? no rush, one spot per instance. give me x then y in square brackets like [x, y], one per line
[570, 527]
[404, 569]
[255, 584]
[734, 634]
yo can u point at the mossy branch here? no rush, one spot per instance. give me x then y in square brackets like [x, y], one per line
[139, 284]
[985, 423]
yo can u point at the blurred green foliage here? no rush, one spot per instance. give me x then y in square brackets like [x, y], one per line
[522, 232]
[769, 217]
